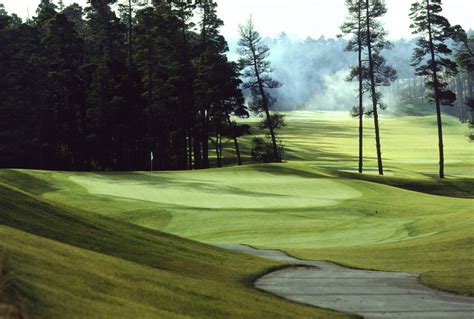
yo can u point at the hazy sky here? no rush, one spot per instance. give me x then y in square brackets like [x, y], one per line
[301, 18]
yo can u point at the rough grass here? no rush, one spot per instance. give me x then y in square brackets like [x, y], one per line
[10, 297]
[82, 265]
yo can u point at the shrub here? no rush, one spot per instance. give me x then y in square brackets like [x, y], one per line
[262, 150]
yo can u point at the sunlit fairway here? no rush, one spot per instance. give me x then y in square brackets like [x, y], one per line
[408, 142]
[312, 207]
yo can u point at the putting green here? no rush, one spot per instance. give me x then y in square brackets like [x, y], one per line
[214, 189]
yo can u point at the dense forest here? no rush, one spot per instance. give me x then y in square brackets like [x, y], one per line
[113, 85]
[122, 86]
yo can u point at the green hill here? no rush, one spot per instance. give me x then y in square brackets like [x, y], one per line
[66, 262]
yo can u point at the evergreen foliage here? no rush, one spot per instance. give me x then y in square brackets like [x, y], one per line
[432, 59]
[105, 89]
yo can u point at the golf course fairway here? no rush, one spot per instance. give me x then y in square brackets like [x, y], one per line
[122, 234]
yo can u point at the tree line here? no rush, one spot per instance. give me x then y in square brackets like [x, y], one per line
[122, 86]
[433, 59]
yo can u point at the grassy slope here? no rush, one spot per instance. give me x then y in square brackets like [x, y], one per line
[312, 208]
[368, 225]
[89, 266]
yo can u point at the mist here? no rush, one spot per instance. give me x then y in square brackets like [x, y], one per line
[314, 71]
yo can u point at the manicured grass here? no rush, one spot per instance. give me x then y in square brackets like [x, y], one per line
[72, 263]
[409, 143]
[313, 207]
[369, 225]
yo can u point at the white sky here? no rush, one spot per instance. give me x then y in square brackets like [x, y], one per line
[300, 18]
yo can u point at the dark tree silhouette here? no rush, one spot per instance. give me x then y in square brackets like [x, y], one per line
[355, 25]
[465, 61]
[431, 58]
[379, 73]
[91, 90]
[257, 72]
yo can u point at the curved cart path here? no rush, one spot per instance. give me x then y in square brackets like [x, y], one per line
[372, 294]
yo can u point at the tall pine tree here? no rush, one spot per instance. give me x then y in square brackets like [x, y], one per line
[257, 73]
[379, 73]
[355, 25]
[431, 59]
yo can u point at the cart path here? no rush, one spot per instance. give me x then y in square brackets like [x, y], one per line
[371, 294]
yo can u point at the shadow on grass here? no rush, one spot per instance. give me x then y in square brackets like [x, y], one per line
[458, 187]
[215, 187]
[26, 182]
[12, 298]
[279, 170]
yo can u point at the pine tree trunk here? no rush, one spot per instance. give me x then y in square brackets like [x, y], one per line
[205, 140]
[374, 94]
[276, 156]
[236, 142]
[460, 97]
[422, 89]
[197, 148]
[218, 151]
[437, 97]
[470, 83]
[361, 97]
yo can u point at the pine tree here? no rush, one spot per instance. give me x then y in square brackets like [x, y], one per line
[157, 55]
[216, 82]
[379, 73]
[431, 58]
[184, 11]
[18, 81]
[106, 96]
[465, 61]
[257, 72]
[46, 10]
[211, 45]
[355, 25]
[64, 50]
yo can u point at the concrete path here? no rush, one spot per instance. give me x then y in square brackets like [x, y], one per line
[371, 294]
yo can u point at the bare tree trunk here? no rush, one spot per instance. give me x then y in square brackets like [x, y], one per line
[460, 93]
[218, 150]
[437, 97]
[361, 97]
[374, 94]
[236, 142]
[470, 83]
[422, 88]
[197, 136]
[205, 140]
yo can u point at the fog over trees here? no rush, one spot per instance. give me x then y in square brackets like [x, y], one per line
[314, 72]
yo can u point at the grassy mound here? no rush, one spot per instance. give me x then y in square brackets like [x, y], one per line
[351, 221]
[68, 261]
